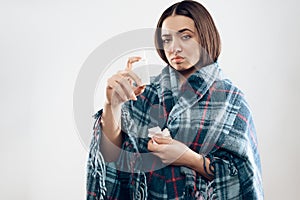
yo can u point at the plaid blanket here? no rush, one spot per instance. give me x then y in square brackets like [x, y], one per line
[207, 113]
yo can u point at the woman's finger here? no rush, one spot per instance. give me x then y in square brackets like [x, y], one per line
[116, 89]
[162, 140]
[126, 86]
[132, 60]
[139, 90]
[111, 82]
[132, 75]
[152, 145]
[118, 92]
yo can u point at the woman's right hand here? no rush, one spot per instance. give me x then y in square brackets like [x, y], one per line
[120, 86]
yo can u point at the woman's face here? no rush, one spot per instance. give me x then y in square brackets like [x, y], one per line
[180, 42]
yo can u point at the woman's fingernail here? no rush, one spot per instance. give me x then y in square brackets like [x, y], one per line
[153, 141]
[133, 96]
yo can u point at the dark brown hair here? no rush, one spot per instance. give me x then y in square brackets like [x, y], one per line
[208, 34]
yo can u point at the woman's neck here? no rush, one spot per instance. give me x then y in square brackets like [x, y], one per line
[185, 74]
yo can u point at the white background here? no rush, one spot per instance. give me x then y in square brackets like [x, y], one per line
[44, 44]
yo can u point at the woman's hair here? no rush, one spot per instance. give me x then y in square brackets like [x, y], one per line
[208, 34]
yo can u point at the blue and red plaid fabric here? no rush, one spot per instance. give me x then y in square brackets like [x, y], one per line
[207, 113]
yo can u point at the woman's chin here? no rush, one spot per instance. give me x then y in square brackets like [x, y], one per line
[181, 66]
[184, 70]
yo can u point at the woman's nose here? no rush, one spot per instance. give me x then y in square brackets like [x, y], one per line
[175, 46]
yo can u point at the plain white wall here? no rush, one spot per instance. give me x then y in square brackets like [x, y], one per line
[44, 44]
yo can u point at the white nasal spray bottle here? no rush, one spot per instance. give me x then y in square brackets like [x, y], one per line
[141, 69]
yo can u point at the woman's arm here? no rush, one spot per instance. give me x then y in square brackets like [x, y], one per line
[119, 89]
[199, 163]
[111, 139]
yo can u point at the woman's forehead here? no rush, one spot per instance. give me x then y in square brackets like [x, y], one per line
[177, 23]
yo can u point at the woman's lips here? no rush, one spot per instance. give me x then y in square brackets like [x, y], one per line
[177, 59]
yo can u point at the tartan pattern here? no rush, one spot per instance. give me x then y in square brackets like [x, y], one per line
[209, 115]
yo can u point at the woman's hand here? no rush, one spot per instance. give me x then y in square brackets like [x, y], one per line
[171, 151]
[120, 86]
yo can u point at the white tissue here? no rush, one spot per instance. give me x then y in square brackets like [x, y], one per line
[156, 131]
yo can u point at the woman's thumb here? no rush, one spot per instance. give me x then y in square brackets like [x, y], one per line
[162, 140]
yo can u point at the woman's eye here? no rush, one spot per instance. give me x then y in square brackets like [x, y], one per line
[166, 40]
[186, 37]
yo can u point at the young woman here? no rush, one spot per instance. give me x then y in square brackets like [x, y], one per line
[211, 152]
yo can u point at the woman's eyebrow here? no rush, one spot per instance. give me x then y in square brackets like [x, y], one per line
[165, 35]
[178, 32]
[184, 29]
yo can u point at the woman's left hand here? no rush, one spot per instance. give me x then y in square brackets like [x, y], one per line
[170, 151]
